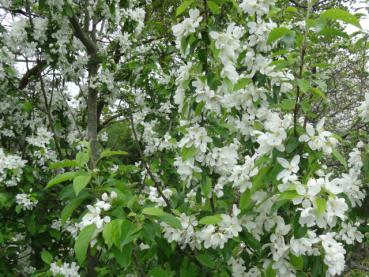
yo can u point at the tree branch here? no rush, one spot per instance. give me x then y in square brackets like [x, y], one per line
[34, 72]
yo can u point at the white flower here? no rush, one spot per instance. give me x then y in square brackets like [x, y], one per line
[186, 168]
[143, 246]
[104, 137]
[156, 198]
[24, 200]
[65, 269]
[196, 136]
[228, 44]
[260, 7]
[363, 109]
[290, 169]
[349, 233]
[187, 26]
[334, 256]
[319, 139]
[208, 96]
[336, 207]
[230, 225]
[42, 139]
[11, 169]
[238, 267]
[304, 246]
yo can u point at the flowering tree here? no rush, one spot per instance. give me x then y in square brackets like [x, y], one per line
[180, 138]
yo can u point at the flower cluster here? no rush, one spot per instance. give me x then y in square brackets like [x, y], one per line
[212, 236]
[363, 109]
[318, 138]
[65, 269]
[11, 169]
[187, 26]
[93, 216]
[26, 201]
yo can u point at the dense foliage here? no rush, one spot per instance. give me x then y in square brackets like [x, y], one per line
[182, 138]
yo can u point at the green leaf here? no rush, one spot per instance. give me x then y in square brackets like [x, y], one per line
[163, 216]
[288, 195]
[259, 179]
[112, 232]
[81, 181]
[297, 262]
[292, 144]
[250, 240]
[123, 257]
[3, 199]
[321, 205]
[206, 260]
[171, 220]
[342, 15]
[46, 257]
[211, 219]
[63, 163]
[61, 178]
[288, 104]
[82, 158]
[277, 33]
[68, 10]
[199, 108]
[303, 85]
[153, 211]
[188, 153]
[183, 7]
[82, 242]
[339, 157]
[130, 232]
[158, 272]
[206, 185]
[241, 83]
[69, 208]
[245, 201]
[213, 7]
[109, 153]
[270, 272]
[328, 31]
[317, 92]
[317, 267]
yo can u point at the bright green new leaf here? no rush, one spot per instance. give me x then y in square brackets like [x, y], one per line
[188, 153]
[153, 211]
[303, 85]
[82, 242]
[206, 260]
[183, 7]
[288, 195]
[245, 201]
[297, 262]
[112, 232]
[70, 207]
[63, 163]
[215, 9]
[81, 181]
[339, 157]
[278, 33]
[211, 219]
[321, 205]
[171, 220]
[342, 15]
[109, 153]
[61, 178]
[82, 158]
[123, 257]
[46, 257]
[317, 92]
